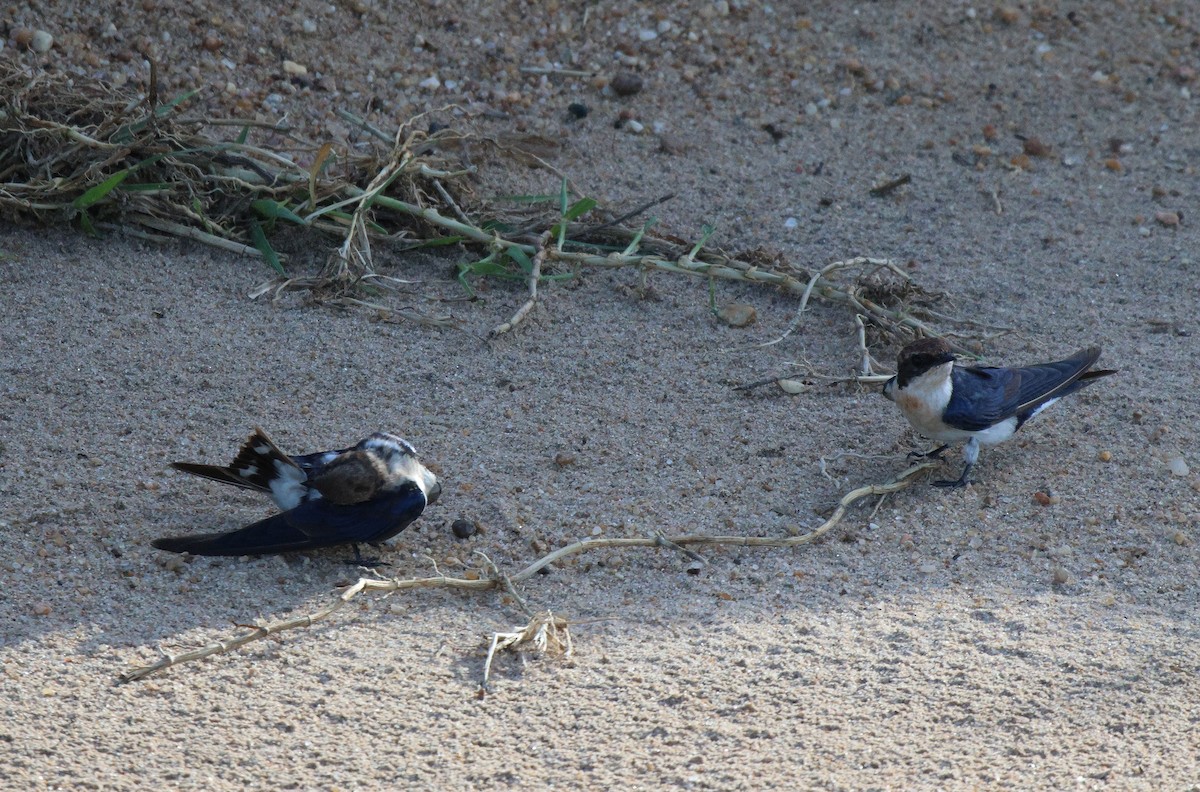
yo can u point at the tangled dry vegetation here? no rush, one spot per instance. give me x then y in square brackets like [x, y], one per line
[80, 152]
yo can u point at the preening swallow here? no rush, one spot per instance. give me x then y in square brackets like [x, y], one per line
[367, 493]
[983, 405]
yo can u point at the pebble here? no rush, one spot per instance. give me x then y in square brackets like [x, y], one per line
[738, 315]
[626, 84]
[578, 110]
[41, 609]
[41, 41]
[1060, 576]
[294, 69]
[1178, 466]
[463, 529]
[1035, 148]
[1168, 219]
[634, 127]
[1105, 456]
[563, 459]
[430, 83]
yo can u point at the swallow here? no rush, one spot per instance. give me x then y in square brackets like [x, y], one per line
[367, 493]
[983, 405]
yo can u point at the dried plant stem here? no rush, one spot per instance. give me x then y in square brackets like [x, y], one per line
[535, 274]
[497, 580]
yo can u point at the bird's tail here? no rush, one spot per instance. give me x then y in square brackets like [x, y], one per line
[272, 535]
[259, 464]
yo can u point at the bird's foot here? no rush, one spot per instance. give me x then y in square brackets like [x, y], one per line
[961, 481]
[369, 563]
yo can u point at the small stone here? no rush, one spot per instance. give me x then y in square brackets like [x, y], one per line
[430, 83]
[1042, 499]
[1008, 15]
[578, 110]
[1178, 466]
[634, 127]
[626, 84]
[41, 609]
[295, 69]
[1181, 539]
[1035, 148]
[1113, 164]
[694, 568]
[41, 41]
[647, 35]
[211, 43]
[791, 386]
[929, 567]
[1105, 456]
[22, 37]
[1060, 576]
[989, 132]
[1168, 219]
[1020, 161]
[463, 529]
[738, 315]
[562, 459]
[790, 223]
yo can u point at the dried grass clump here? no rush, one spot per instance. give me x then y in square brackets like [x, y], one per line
[78, 151]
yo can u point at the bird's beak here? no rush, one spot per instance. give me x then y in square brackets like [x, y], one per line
[889, 389]
[432, 492]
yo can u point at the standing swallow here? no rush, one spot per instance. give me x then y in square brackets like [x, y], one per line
[367, 493]
[983, 405]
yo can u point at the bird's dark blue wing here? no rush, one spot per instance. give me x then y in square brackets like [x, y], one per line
[382, 517]
[984, 396]
[310, 525]
[980, 397]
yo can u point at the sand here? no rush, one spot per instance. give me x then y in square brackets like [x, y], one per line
[974, 639]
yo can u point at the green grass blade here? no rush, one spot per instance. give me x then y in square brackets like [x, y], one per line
[260, 241]
[523, 261]
[147, 187]
[273, 210]
[97, 193]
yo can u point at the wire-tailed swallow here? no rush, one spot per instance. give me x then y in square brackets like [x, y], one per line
[367, 493]
[983, 405]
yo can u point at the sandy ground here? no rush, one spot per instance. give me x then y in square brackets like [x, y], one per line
[974, 639]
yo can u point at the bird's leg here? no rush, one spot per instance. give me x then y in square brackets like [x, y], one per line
[970, 456]
[358, 560]
[934, 454]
